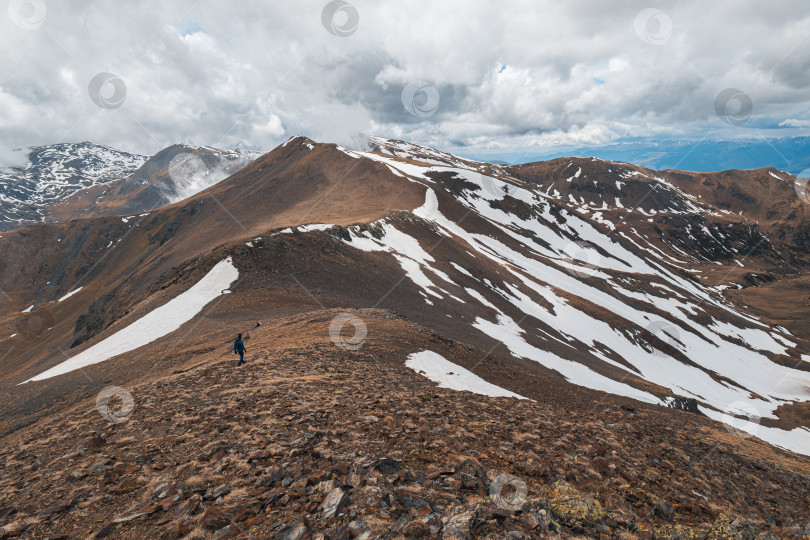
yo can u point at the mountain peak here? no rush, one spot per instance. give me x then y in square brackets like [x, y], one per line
[55, 172]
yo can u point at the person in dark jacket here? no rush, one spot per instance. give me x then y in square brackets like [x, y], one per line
[239, 348]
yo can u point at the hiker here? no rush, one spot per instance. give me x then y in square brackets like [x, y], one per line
[239, 348]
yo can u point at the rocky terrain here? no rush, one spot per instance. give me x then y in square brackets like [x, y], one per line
[654, 330]
[310, 440]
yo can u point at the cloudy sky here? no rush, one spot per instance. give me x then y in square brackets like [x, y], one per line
[479, 76]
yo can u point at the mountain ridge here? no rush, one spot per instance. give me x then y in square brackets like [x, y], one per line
[553, 299]
[708, 155]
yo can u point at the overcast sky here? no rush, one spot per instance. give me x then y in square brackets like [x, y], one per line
[484, 76]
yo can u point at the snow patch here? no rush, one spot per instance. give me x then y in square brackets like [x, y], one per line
[461, 269]
[154, 325]
[576, 175]
[68, 295]
[452, 376]
[314, 227]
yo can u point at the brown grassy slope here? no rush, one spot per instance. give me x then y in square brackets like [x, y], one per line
[290, 186]
[785, 302]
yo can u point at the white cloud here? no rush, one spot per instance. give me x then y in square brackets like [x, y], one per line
[793, 122]
[11, 158]
[509, 75]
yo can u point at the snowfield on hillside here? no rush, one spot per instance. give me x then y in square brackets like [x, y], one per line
[156, 324]
[719, 364]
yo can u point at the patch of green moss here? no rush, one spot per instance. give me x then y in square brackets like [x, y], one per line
[570, 507]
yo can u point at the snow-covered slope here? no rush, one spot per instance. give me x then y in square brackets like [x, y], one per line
[598, 307]
[68, 181]
[55, 172]
[156, 324]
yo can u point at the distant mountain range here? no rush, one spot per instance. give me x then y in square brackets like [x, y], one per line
[787, 154]
[72, 180]
[53, 173]
[80, 180]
